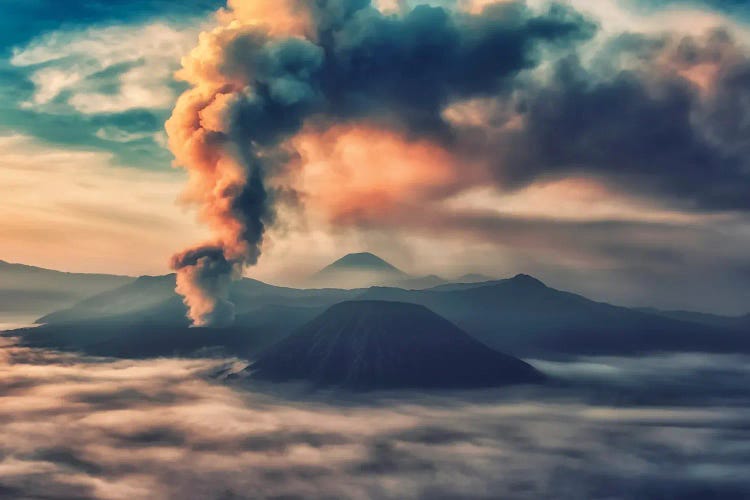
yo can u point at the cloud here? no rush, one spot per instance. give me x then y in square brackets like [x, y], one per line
[88, 223]
[615, 427]
[411, 144]
[257, 78]
[99, 86]
[663, 131]
[729, 6]
[20, 20]
[105, 69]
[115, 134]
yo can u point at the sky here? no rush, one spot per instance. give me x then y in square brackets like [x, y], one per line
[600, 146]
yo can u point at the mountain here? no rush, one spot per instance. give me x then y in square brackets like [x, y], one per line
[420, 283]
[137, 321]
[374, 344]
[163, 330]
[463, 285]
[146, 318]
[364, 261]
[525, 317]
[473, 278]
[155, 293]
[732, 322]
[138, 295]
[33, 291]
[521, 316]
[357, 270]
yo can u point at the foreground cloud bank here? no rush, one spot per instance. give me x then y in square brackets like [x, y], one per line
[658, 427]
[373, 115]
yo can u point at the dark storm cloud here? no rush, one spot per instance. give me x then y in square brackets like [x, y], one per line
[649, 129]
[618, 129]
[398, 70]
[252, 90]
[649, 427]
[411, 67]
[637, 116]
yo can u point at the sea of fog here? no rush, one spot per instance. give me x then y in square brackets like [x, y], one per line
[671, 426]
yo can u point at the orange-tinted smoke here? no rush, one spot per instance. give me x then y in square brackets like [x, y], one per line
[198, 139]
[351, 173]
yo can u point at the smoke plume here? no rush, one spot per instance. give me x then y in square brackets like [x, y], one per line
[438, 98]
[272, 68]
[224, 159]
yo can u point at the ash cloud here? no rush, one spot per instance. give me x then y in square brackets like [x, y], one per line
[507, 96]
[257, 80]
[673, 425]
[656, 119]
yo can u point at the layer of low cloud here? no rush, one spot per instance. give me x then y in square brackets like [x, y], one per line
[672, 426]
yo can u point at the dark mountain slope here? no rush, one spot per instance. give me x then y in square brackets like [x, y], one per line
[372, 344]
[163, 330]
[141, 294]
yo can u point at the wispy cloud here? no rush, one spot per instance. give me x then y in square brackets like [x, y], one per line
[106, 70]
[66, 208]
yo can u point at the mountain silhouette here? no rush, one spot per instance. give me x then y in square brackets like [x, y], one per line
[33, 291]
[357, 270]
[421, 282]
[741, 323]
[523, 316]
[375, 344]
[364, 260]
[155, 296]
[473, 278]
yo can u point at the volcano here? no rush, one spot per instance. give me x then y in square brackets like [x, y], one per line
[379, 344]
[357, 270]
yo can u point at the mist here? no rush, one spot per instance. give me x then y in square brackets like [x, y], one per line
[663, 426]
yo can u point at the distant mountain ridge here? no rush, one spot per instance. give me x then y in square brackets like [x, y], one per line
[523, 316]
[35, 291]
[519, 315]
[360, 270]
[733, 322]
[149, 292]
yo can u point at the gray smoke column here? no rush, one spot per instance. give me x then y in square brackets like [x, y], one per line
[270, 67]
[218, 132]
